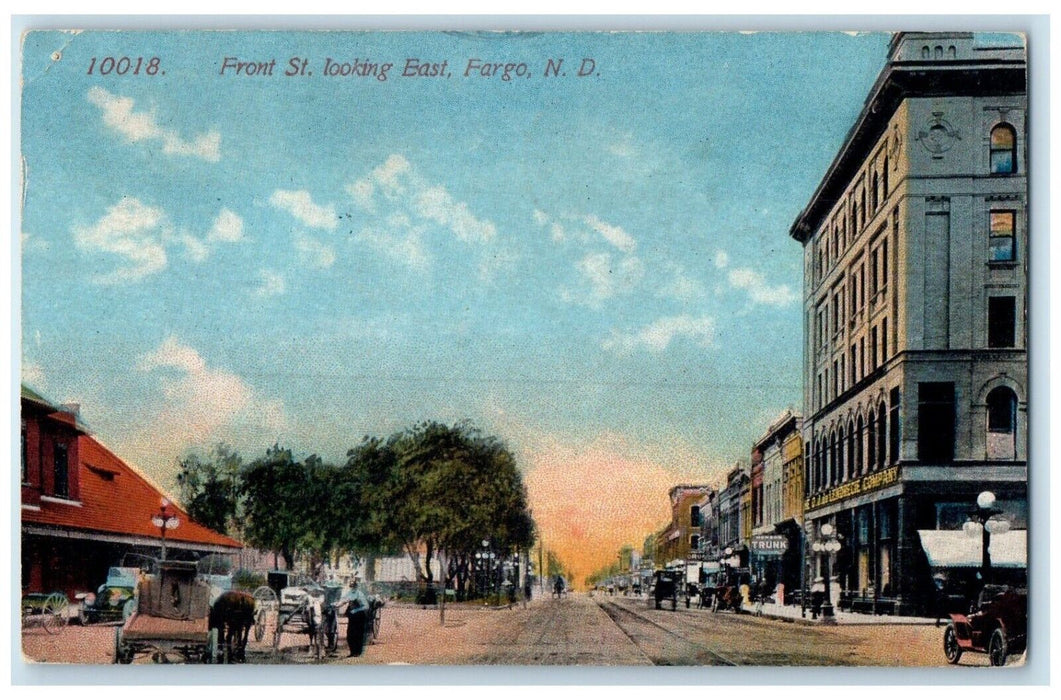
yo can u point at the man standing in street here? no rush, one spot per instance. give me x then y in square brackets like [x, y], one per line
[356, 619]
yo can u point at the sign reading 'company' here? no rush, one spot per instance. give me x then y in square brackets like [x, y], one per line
[870, 482]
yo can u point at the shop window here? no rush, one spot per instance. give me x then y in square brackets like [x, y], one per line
[1001, 322]
[1001, 424]
[935, 421]
[62, 471]
[1003, 240]
[1003, 150]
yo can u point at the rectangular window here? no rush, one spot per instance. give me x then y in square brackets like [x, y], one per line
[694, 516]
[873, 271]
[935, 421]
[873, 348]
[883, 340]
[62, 471]
[1001, 322]
[862, 356]
[694, 542]
[1003, 238]
[884, 263]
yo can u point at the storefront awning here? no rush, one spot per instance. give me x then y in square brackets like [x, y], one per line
[953, 549]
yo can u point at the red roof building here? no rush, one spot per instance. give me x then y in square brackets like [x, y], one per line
[83, 507]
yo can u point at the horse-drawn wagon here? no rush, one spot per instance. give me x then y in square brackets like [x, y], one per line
[172, 618]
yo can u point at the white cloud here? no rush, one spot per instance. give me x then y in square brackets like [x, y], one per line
[202, 404]
[299, 204]
[130, 230]
[606, 277]
[271, 283]
[760, 292]
[657, 336]
[614, 235]
[398, 239]
[119, 115]
[227, 228]
[140, 233]
[412, 205]
[683, 287]
[312, 252]
[721, 259]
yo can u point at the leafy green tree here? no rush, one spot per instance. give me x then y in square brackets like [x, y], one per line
[278, 502]
[209, 488]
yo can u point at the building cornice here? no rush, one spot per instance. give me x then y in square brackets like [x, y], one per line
[901, 80]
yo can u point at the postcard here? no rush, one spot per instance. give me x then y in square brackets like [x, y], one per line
[522, 348]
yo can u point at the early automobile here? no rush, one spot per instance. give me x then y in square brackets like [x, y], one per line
[996, 627]
[113, 601]
[665, 587]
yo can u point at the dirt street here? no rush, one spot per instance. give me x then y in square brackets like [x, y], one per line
[579, 629]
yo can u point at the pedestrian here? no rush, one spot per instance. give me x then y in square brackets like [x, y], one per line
[817, 596]
[356, 619]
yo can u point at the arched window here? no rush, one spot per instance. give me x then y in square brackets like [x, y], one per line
[939, 52]
[859, 464]
[926, 52]
[1002, 424]
[952, 52]
[882, 437]
[871, 442]
[832, 459]
[1003, 149]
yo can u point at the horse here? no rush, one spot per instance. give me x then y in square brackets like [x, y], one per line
[232, 615]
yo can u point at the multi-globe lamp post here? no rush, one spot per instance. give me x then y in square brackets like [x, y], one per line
[827, 544]
[164, 520]
[985, 520]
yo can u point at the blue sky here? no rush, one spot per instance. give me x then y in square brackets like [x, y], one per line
[596, 264]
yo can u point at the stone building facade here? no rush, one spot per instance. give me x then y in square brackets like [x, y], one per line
[915, 254]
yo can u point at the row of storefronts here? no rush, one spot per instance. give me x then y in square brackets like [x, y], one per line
[915, 364]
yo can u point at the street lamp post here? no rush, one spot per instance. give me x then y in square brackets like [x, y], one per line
[827, 544]
[164, 520]
[983, 522]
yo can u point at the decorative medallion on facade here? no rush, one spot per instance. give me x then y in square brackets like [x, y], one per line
[939, 137]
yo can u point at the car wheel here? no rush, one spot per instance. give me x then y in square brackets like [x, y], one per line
[996, 648]
[951, 649]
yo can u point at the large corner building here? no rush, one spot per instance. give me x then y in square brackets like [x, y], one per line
[915, 290]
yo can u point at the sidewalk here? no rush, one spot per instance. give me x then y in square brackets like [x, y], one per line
[792, 613]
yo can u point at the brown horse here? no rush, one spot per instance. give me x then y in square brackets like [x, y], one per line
[232, 615]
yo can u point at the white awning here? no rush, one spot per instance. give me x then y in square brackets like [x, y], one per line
[953, 548]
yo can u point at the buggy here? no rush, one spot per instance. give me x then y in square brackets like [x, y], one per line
[665, 587]
[46, 610]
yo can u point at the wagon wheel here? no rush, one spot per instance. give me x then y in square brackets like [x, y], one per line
[951, 649]
[122, 654]
[997, 648]
[264, 600]
[54, 611]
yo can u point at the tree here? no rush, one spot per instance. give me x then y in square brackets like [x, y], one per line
[210, 488]
[278, 502]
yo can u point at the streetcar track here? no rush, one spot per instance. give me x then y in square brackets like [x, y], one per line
[611, 609]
